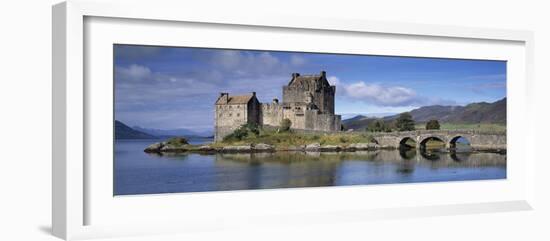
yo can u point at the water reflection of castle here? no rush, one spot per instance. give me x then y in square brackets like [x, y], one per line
[303, 169]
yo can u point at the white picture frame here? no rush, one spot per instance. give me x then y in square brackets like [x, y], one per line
[73, 188]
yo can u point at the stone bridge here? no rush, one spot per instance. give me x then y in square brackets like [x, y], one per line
[479, 140]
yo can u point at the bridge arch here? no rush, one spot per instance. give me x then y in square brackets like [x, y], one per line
[464, 139]
[477, 140]
[407, 142]
[426, 139]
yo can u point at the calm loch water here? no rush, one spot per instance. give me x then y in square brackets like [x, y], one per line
[136, 172]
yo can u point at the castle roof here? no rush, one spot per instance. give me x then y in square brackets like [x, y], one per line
[298, 79]
[225, 99]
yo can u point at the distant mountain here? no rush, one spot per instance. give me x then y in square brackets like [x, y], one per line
[373, 115]
[481, 112]
[123, 131]
[358, 122]
[437, 112]
[173, 132]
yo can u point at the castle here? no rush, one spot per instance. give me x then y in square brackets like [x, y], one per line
[308, 102]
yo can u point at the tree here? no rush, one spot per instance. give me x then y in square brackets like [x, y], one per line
[285, 125]
[404, 122]
[432, 125]
[377, 126]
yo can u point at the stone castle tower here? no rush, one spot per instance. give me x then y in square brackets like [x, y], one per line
[308, 102]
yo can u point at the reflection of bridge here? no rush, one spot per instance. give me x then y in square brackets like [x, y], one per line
[479, 140]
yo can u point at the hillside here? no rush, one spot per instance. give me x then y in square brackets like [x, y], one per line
[475, 113]
[123, 131]
[358, 122]
[173, 132]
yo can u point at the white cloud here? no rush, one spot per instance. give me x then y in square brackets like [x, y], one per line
[381, 95]
[133, 72]
[296, 60]
[246, 64]
[227, 59]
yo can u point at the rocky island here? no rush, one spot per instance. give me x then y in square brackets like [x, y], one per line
[271, 143]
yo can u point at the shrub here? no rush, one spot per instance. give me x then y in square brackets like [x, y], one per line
[177, 141]
[432, 125]
[242, 132]
[285, 125]
[253, 128]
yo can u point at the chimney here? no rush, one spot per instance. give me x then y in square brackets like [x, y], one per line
[294, 75]
[254, 93]
[323, 74]
[222, 94]
[275, 101]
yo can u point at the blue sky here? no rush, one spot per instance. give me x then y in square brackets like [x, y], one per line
[169, 87]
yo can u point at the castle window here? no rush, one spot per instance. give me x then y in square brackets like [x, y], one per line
[229, 114]
[238, 114]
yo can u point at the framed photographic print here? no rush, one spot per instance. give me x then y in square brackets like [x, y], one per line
[254, 124]
[179, 121]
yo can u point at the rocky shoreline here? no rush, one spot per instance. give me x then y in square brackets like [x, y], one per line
[163, 147]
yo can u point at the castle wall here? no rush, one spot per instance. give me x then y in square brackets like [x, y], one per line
[254, 110]
[293, 95]
[301, 118]
[296, 114]
[228, 118]
[337, 122]
[323, 98]
[271, 114]
[325, 122]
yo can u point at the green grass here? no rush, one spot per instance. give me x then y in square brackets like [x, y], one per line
[430, 144]
[477, 127]
[435, 144]
[177, 141]
[286, 139]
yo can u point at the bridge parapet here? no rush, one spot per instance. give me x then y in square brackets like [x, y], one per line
[478, 139]
[448, 132]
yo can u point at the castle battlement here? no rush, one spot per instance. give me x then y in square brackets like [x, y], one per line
[268, 106]
[308, 102]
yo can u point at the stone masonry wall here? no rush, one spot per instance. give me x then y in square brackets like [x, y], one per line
[271, 114]
[254, 110]
[228, 118]
[323, 99]
[478, 141]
